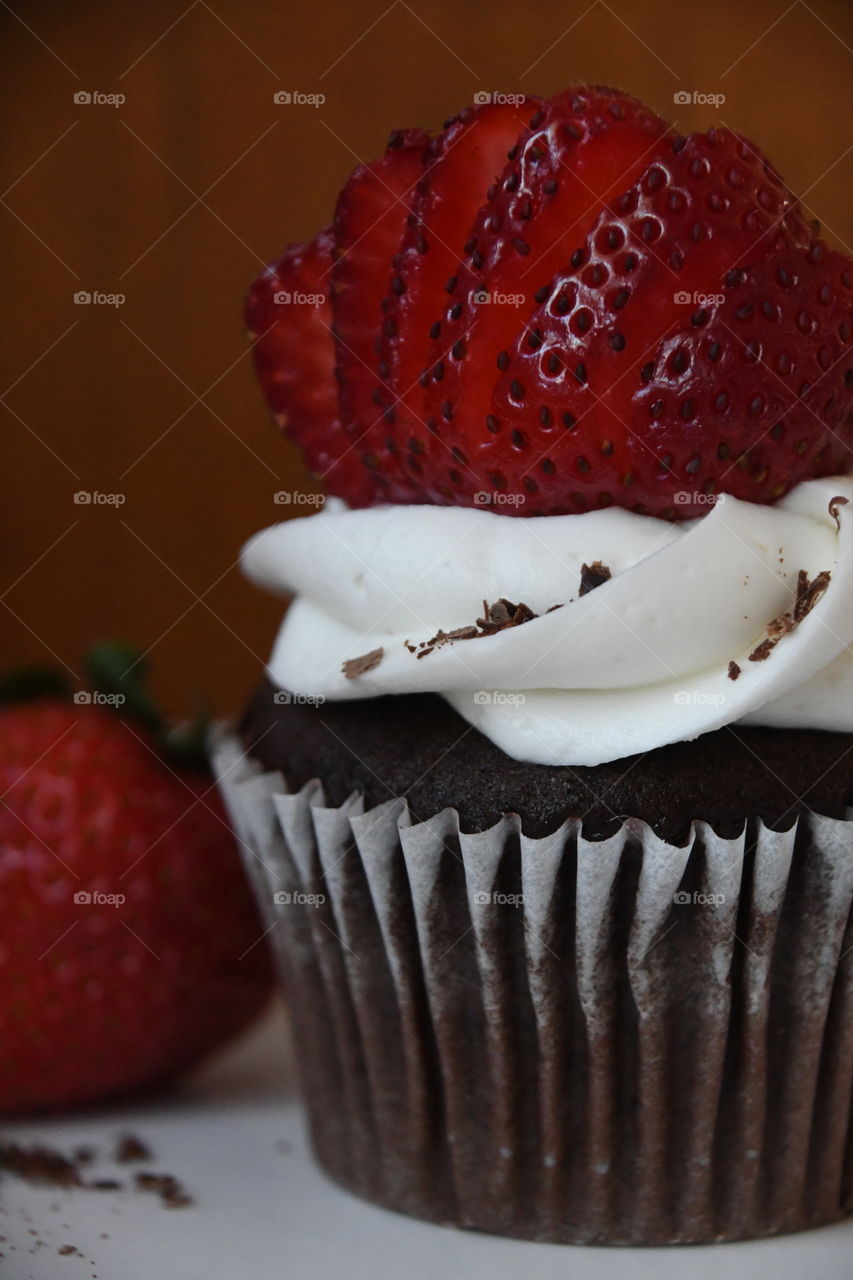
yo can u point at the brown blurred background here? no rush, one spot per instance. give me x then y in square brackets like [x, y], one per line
[175, 198]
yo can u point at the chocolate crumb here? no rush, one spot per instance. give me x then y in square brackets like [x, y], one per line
[447, 637]
[502, 615]
[104, 1184]
[592, 576]
[68, 1251]
[496, 617]
[461, 633]
[734, 671]
[355, 667]
[172, 1194]
[39, 1165]
[83, 1155]
[130, 1148]
[809, 591]
[834, 503]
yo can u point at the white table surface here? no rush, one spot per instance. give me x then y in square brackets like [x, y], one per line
[234, 1137]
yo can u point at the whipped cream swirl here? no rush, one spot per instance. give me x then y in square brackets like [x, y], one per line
[640, 661]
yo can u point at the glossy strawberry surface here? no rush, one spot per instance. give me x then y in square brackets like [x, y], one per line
[566, 302]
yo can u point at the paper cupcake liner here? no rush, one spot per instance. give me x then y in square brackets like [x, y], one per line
[617, 1042]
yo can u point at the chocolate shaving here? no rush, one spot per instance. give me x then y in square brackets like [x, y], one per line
[807, 596]
[444, 637]
[734, 671]
[762, 651]
[834, 503]
[130, 1148]
[39, 1165]
[47, 1166]
[503, 614]
[592, 576]
[172, 1194]
[354, 667]
[496, 617]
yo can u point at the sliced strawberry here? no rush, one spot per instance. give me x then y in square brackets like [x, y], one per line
[635, 319]
[582, 149]
[289, 318]
[461, 164]
[369, 222]
[653, 342]
[759, 398]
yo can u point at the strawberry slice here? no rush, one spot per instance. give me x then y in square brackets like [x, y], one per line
[582, 149]
[369, 222]
[289, 320]
[761, 397]
[619, 317]
[461, 164]
[643, 375]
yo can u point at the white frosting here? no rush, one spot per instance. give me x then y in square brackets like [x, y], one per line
[640, 661]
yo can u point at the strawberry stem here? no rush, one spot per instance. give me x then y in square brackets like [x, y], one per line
[119, 669]
[116, 672]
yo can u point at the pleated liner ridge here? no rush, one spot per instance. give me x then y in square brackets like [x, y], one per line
[620, 1042]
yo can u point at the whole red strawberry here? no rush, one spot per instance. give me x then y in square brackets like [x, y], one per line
[566, 301]
[127, 933]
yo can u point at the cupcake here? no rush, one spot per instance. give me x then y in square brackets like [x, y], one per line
[547, 787]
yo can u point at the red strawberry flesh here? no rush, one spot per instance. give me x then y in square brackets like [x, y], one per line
[369, 223]
[620, 316]
[460, 165]
[289, 321]
[584, 149]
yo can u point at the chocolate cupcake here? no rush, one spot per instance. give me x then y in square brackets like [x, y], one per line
[548, 790]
